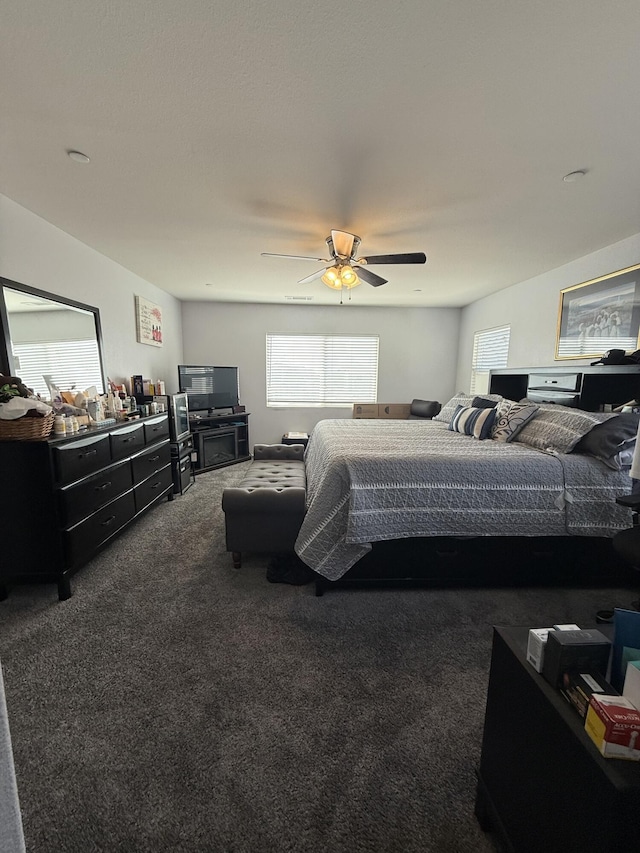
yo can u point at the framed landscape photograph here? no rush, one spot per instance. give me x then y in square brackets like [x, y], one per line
[599, 315]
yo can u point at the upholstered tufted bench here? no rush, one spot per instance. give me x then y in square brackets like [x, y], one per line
[265, 511]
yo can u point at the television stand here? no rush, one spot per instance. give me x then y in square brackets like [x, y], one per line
[219, 439]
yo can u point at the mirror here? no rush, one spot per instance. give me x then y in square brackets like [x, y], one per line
[48, 335]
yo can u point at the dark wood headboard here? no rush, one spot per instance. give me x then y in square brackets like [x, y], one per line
[589, 388]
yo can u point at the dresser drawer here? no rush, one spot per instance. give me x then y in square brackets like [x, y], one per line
[156, 428]
[86, 497]
[75, 459]
[147, 463]
[558, 382]
[126, 441]
[153, 487]
[85, 538]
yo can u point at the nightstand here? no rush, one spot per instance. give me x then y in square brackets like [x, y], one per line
[295, 438]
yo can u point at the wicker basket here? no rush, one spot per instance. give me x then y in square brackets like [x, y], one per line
[26, 428]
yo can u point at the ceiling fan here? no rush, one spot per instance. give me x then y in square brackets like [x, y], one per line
[344, 269]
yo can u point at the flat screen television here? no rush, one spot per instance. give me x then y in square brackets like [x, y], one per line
[209, 387]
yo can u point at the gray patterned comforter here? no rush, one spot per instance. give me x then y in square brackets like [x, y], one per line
[371, 480]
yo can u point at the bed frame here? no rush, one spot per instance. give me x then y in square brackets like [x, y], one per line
[553, 560]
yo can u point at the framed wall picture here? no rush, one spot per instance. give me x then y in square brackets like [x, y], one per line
[148, 322]
[600, 315]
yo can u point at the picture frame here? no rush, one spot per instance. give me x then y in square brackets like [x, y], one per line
[148, 322]
[599, 315]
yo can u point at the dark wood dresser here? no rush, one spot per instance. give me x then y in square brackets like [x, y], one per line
[64, 499]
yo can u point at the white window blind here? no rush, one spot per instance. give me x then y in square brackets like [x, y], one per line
[321, 370]
[70, 364]
[490, 352]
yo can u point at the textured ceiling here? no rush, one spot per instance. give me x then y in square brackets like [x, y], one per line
[220, 130]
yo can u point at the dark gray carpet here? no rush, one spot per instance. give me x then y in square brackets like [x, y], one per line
[174, 703]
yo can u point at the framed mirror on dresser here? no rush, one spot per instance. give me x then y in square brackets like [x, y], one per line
[45, 334]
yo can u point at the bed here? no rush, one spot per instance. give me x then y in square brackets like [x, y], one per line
[371, 481]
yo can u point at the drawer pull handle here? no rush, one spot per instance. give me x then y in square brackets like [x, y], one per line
[102, 487]
[156, 486]
[126, 440]
[108, 521]
[88, 453]
[153, 458]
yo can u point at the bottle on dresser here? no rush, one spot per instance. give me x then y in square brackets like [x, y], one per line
[59, 425]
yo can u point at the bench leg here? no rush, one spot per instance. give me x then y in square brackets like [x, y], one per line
[236, 557]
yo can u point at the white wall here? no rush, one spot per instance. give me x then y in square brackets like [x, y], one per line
[417, 352]
[38, 254]
[531, 309]
[417, 346]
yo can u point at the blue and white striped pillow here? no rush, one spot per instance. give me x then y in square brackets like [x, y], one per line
[472, 421]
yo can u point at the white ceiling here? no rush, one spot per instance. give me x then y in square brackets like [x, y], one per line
[218, 130]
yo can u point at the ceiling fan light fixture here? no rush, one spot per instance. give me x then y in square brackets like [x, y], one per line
[332, 278]
[348, 277]
[340, 277]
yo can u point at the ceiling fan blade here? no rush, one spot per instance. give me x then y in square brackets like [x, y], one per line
[296, 257]
[345, 244]
[370, 277]
[314, 276]
[407, 258]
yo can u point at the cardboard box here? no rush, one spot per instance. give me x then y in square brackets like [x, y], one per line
[631, 689]
[536, 645]
[397, 411]
[365, 410]
[578, 688]
[585, 651]
[613, 724]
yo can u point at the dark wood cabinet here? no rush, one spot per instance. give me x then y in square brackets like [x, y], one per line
[181, 464]
[220, 440]
[542, 784]
[64, 499]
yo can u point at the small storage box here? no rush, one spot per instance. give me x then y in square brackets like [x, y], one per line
[586, 651]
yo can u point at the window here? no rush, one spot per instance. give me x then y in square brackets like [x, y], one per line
[490, 352]
[321, 370]
[71, 364]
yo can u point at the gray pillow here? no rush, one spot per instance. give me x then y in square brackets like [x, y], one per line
[446, 412]
[557, 429]
[609, 440]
